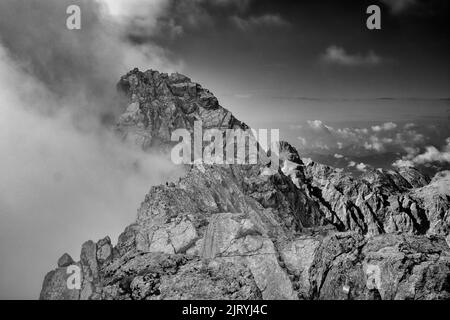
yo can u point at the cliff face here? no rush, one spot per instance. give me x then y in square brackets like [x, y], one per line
[159, 103]
[306, 231]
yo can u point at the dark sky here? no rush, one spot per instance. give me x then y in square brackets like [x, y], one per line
[275, 48]
[257, 56]
[283, 64]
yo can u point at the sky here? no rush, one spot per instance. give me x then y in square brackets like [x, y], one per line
[286, 64]
[342, 94]
[310, 49]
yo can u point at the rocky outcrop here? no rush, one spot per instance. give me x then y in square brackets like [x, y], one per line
[159, 103]
[305, 231]
[349, 266]
[434, 199]
[377, 202]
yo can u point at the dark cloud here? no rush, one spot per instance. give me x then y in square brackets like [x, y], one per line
[182, 17]
[417, 7]
[263, 21]
[399, 6]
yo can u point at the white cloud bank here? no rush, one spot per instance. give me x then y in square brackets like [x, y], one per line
[339, 56]
[316, 135]
[430, 155]
[65, 178]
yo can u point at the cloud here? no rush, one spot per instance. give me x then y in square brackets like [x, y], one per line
[409, 126]
[403, 163]
[338, 156]
[318, 135]
[164, 21]
[66, 177]
[430, 155]
[375, 144]
[150, 10]
[241, 5]
[361, 167]
[314, 136]
[358, 166]
[317, 124]
[338, 56]
[266, 20]
[385, 126]
[83, 64]
[399, 6]
[150, 20]
[302, 141]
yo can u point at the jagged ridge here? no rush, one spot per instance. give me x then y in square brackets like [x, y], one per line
[306, 231]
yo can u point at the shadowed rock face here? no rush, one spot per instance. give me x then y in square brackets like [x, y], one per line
[306, 231]
[380, 201]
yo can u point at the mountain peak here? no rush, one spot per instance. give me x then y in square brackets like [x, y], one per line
[158, 103]
[305, 231]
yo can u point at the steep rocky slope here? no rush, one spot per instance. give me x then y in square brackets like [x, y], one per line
[159, 103]
[306, 231]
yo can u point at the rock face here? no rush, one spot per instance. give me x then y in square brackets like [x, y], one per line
[306, 231]
[381, 201]
[159, 103]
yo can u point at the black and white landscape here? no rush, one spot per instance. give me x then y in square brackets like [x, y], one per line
[353, 202]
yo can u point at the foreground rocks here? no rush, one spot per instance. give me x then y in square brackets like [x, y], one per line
[306, 231]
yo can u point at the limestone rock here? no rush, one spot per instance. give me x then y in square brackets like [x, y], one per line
[65, 261]
[159, 103]
[55, 286]
[175, 237]
[104, 250]
[378, 202]
[233, 237]
[216, 280]
[305, 231]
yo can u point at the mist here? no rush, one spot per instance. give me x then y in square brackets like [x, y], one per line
[65, 175]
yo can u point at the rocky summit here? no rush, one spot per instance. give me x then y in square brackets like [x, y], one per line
[306, 231]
